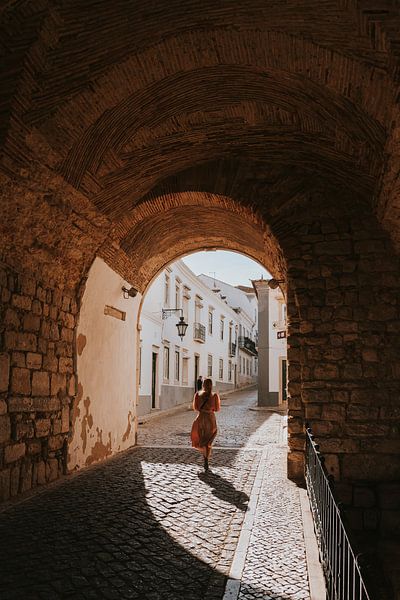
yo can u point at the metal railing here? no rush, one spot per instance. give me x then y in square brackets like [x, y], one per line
[339, 561]
[232, 349]
[246, 343]
[199, 332]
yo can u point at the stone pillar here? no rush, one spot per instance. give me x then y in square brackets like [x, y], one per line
[265, 397]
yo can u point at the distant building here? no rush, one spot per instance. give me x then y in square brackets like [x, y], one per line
[220, 342]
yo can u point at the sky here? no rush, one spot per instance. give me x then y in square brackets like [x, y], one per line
[230, 267]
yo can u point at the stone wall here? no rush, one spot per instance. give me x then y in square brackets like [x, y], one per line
[344, 357]
[37, 382]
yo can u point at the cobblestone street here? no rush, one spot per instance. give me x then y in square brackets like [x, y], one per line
[150, 524]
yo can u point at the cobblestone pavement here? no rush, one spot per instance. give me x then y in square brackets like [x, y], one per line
[149, 524]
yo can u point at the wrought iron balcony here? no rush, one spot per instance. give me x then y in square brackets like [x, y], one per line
[248, 345]
[199, 332]
[232, 349]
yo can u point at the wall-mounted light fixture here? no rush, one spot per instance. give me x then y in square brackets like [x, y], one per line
[274, 283]
[181, 325]
[129, 293]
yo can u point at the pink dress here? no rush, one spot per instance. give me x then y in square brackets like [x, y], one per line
[204, 428]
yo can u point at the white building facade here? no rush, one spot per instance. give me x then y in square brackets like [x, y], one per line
[220, 340]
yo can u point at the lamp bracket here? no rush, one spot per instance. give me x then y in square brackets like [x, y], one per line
[167, 312]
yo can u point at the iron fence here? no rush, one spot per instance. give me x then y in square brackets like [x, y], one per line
[341, 566]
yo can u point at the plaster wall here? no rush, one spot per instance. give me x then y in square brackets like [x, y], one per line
[104, 420]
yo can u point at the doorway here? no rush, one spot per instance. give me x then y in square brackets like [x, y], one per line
[196, 370]
[282, 379]
[154, 364]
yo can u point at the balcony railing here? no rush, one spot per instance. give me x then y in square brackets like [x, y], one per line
[247, 344]
[199, 332]
[340, 563]
[232, 349]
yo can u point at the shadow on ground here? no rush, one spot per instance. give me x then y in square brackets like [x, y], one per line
[95, 535]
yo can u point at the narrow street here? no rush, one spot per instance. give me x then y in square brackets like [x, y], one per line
[150, 524]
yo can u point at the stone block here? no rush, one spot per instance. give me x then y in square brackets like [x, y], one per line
[67, 334]
[56, 427]
[338, 445]
[390, 413]
[55, 442]
[33, 447]
[28, 286]
[54, 332]
[333, 248]
[58, 383]
[389, 496]
[41, 473]
[26, 476]
[24, 430]
[72, 386]
[4, 485]
[5, 429]
[20, 341]
[65, 419]
[11, 319]
[370, 467]
[359, 412]
[323, 428]
[390, 522]
[295, 466]
[23, 302]
[4, 371]
[34, 360]
[14, 452]
[46, 404]
[16, 405]
[358, 429]
[370, 355]
[334, 412]
[364, 497]
[50, 362]
[14, 480]
[332, 465]
[18, 359]
[313, 411]
[65, 365]
[3, 407]
[52, 469]
[20, 381]
[42, 427]
[66, 303]
[31, 322]
[346, 326]
[37, 308]
[40, 383]
[370, 519]
[326, 371]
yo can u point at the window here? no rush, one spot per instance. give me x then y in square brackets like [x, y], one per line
[177, 365]
[210, 321]
[185, 370]
[166, 363]
[247, 366]
[229, 370]
[166, 290]
[209, 365]
[230, 335]
[221, 325]
[221, 369]
[185, 306]
[177, 296]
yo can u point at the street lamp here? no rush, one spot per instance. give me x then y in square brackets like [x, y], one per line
[274, 283]
[181, 325]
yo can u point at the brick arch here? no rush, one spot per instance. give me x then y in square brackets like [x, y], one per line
[165, 227]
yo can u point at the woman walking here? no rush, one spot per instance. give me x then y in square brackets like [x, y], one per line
[204, 428]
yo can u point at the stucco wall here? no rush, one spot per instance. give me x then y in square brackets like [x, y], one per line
[104, 411]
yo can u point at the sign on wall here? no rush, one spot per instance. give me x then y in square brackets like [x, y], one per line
[280, 334]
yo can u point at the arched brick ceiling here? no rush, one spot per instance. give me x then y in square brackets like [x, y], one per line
[167, 227]
[117, 100]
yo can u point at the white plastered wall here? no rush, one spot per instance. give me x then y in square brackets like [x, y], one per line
[104, 419]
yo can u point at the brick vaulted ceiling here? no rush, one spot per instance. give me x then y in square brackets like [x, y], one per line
[127, 124]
